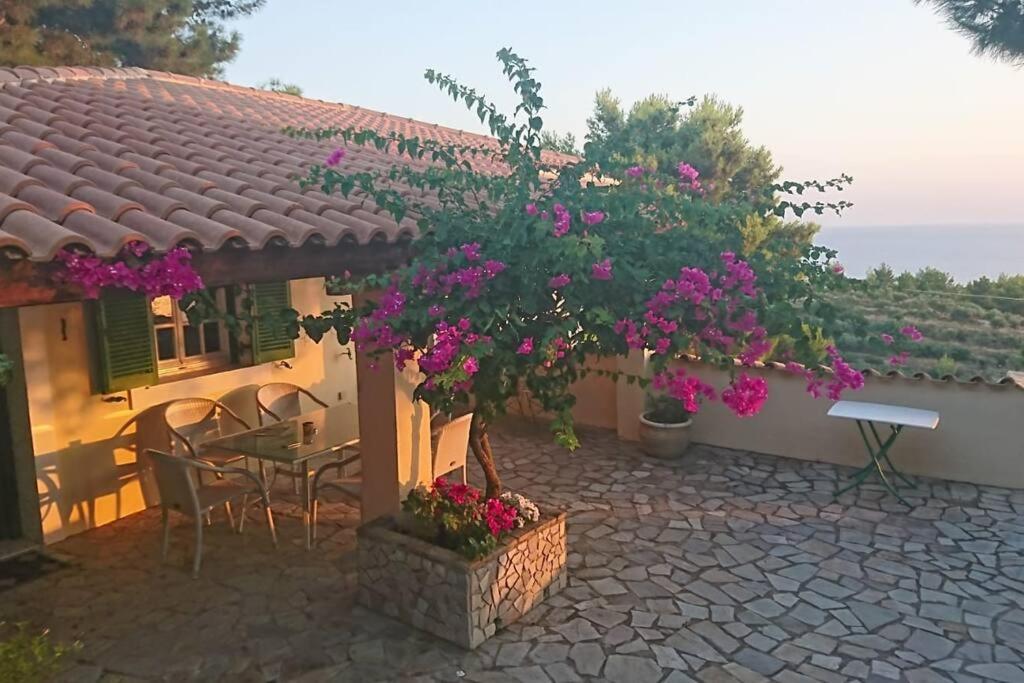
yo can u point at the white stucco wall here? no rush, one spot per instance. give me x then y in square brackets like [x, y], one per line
[84, 478]
[980, 438]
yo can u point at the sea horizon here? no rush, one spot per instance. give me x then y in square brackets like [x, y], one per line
[965, 250]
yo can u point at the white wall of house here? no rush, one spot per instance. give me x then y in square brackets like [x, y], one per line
[85, 478]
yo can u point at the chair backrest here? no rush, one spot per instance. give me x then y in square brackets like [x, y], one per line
[281, 400]
[174, 482]
[242, 402]
[452, 445]
[194, 421]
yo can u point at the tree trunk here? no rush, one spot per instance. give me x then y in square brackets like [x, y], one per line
[481, 446]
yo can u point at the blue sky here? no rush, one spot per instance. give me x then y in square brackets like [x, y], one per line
[879, 89]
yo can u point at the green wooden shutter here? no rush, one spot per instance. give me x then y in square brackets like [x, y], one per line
[270, 339]
[124, 336]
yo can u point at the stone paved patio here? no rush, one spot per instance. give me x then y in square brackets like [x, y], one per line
[726, 566]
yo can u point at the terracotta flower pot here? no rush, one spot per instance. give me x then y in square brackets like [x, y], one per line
[664, 439]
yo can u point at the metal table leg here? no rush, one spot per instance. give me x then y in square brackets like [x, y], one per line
[306, 506]
[878, 455]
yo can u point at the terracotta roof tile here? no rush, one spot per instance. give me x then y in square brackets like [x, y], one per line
[33, 234]
[157, 204]
[13, 182]
[54, 205]
[107, 236]
[106, 203]
[172, 159]
[166, 234]
[56, 179]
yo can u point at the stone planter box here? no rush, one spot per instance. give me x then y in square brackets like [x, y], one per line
[439, 591]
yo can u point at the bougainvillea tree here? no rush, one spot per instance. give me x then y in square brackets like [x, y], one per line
[529, 265]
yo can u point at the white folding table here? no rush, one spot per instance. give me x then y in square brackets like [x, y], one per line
[896, 417]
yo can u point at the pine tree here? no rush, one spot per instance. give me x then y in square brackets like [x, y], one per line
[995, 27]
[182, 36]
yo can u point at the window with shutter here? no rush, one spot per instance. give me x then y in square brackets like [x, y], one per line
[270, 338]
[125, 342]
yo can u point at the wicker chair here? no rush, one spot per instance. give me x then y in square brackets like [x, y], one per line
[180, 492]
[281, 401]
[193, 422]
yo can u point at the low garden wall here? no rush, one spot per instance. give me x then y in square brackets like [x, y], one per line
[980, 438]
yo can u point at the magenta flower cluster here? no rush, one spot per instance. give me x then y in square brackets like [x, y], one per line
[745, 395]
[470, 279]
[844, 376]
[693, 299]
[602, 270]
[136, 269]
[335, 157]
[688, 178]
[635, 171]
[688, 390]
[563, 220]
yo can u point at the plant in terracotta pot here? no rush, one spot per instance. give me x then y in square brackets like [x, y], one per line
[664, 426]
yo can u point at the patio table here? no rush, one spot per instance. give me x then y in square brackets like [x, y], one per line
[896, 417]
[283, 443]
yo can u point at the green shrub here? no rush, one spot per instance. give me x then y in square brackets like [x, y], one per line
[28, 657]
[945, 366]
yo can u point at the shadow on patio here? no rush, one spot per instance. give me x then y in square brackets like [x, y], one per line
[725, 566]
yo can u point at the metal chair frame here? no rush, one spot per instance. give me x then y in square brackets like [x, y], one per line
[186, 499]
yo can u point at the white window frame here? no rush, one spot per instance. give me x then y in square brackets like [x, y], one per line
[204, 361]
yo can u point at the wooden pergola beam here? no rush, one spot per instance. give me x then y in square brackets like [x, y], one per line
[29, 283]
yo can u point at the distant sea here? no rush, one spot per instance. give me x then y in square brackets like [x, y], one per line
[964, 251]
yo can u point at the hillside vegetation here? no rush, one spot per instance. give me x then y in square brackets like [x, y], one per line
[970, 329]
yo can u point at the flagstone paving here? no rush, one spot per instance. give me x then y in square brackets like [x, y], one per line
[724, 566]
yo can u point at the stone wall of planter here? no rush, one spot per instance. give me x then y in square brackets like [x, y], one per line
[439, 591]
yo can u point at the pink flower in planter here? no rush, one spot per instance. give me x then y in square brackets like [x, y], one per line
[602, 270]
[887, 339]
[745, 395]
[471, 251]
[838, 269]
[471, 365]
[526, 347]
[531, 209]
[500, 517]
[559, 281]
[335, 157]
[436, 311]
[593, 217]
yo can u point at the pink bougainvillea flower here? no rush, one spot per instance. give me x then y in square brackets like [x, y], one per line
[899, 359]
[335, 157]
[745, 395]
[531, 209]
[593, 217]
[499, 516]
[912, 333]
[471, 365]
[436, 311]
[563, 220]
[686, 389]
[560, 280]
[887, 339]
[602, 270]
[688, 177]
[838, 268]
[471, 251]
[635, 171]
[526, 347]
